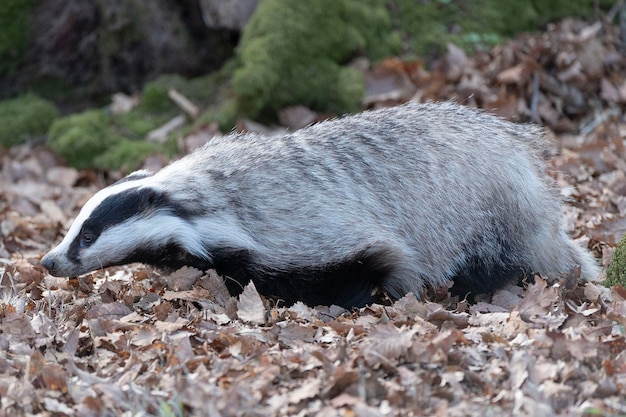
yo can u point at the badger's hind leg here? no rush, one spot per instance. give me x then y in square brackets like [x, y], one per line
[549, 255]
[559, 254]
[478, 276]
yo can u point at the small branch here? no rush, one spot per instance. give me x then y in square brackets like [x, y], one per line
[184, 103]
[534, 101]
[159, 135]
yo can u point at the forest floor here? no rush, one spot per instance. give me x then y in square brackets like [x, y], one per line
[132, 341]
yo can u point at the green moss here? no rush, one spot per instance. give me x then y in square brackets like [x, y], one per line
[25, 117]
[154, 98]
[137, 123]
[616, 272]
[134, 125]
[211, 92]
[210, 89]
[224, 114]
[14, 32]
[127, 154]
[203, 91]
[82, 137]
[294, 52]
[98, 139]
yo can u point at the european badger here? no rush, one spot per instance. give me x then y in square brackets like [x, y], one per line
[395, 199]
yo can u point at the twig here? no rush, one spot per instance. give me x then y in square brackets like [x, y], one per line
[159, 135]
[184, 103]
[534, 112]
[589, 127]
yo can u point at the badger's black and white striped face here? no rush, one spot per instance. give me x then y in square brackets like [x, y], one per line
[132, 220]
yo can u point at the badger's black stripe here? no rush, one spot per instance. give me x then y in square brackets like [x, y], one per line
[347, 284]
[120, 207]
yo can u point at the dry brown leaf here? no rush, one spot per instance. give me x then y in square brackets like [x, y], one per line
[250, 307]
[53, 377]
[438, 315]
[539, 299]
[610, 93]
[64, 177]
[512, 75]
[386, 344]
[410, 306]
[292, 333]
[28, 273]
[184, 278]
[108, 310]
[36, 363]
[216, 288]
[18, 326]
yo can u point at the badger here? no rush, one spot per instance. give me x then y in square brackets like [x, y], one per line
[392, 200]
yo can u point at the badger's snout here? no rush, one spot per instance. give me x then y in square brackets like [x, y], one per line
[57, 265]
[50, 263]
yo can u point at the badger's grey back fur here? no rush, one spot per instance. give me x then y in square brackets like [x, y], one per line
[397, 198]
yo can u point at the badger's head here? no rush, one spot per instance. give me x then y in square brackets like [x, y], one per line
[133, 220]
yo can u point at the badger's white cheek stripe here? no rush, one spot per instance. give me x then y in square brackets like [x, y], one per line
[148, 233]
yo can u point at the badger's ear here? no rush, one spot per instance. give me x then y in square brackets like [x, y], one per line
[150, 198]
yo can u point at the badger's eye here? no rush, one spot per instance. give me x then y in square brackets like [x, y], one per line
[86, 238]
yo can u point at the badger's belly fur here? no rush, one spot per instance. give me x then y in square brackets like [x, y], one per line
[395, 199]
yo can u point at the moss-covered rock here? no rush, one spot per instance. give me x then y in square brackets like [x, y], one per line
[25, 117]
[82, 137]
[100, 139]
[616, 272]
[295, 52]
[97, 139]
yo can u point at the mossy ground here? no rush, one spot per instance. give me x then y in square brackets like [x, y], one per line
[24, 118]
[96, 138]
[100, 139]
[82, 137]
